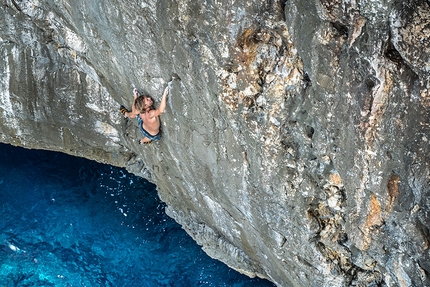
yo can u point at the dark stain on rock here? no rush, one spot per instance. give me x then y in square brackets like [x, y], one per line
[408, 8]
[392, 54]
[393, 190]
[370, 83]
[393, 186]
[425, 233]
[310, 131]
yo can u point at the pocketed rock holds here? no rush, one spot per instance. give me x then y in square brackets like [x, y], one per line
[295, 144]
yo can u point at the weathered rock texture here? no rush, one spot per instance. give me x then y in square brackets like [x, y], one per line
[295, 144]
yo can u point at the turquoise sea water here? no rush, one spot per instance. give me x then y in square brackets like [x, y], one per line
[67, 221]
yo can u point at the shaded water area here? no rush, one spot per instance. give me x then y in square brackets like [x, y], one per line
[68, 221]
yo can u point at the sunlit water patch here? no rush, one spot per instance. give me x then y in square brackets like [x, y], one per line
[67, 221]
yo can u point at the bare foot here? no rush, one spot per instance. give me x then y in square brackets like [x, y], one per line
[145, 141]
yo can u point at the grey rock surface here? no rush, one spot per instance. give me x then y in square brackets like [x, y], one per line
[296, 136]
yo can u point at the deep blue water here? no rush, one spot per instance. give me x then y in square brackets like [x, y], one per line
[67, 221]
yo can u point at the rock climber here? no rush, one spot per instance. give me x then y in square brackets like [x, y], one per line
[147, 115]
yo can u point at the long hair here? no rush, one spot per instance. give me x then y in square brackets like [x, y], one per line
[139, 104]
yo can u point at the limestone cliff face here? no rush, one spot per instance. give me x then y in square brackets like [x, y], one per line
[295, 141]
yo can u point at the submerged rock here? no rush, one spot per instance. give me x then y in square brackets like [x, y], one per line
[296, 136]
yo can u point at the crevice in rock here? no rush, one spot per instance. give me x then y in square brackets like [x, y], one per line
[367, 98]
[306, 80]
[342, 30]
[282, 7]
[16, 5]
[393, 55]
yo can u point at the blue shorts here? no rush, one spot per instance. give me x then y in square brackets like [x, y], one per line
[157, 137]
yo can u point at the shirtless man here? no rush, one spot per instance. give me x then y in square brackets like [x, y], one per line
[147, 115]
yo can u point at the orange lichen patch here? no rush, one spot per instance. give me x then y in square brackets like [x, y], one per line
[393, 190]
[373, 219]
[393, 186]
[335, 179]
